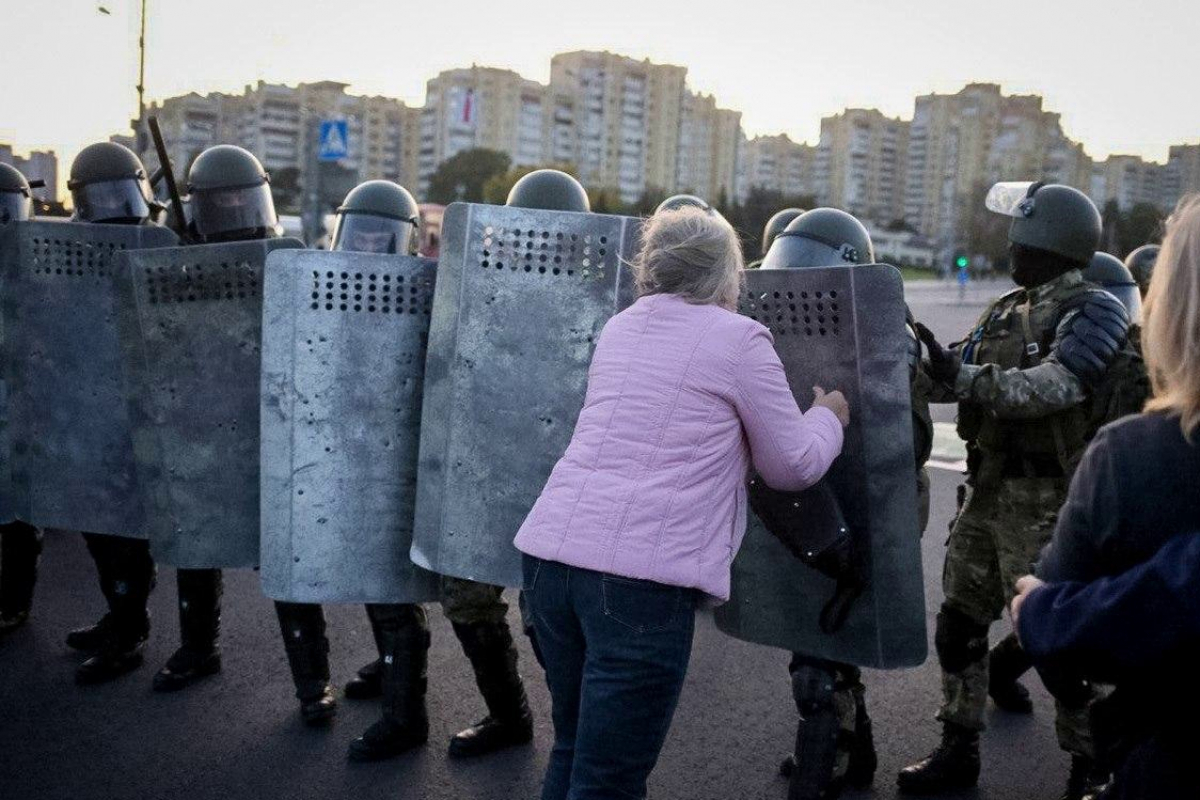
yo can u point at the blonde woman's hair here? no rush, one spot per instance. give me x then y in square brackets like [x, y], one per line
[1171, 331]
[691, 253]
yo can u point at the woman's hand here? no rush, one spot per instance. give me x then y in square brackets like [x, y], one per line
[835, 401]
[1024, 587]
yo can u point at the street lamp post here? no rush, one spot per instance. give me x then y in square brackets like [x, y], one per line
[141, 84]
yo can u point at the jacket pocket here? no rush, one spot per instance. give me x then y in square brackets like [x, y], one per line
[642, 606]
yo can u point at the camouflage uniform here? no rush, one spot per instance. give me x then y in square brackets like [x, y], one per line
[1025, 419]
[469, 603]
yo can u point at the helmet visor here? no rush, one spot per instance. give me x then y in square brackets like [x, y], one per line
[216, 211]
[1130, 297]
[1008, 198]
[14, 207]
[368, 233]
[793, 251]
[108, 201]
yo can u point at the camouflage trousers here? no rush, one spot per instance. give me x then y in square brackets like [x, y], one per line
[849, 694]
[997, 539]
[470, 603]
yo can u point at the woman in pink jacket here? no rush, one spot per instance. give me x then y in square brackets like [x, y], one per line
[643, 514]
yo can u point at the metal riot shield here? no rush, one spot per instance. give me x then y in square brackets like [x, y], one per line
[72, 460]
[191, 327]
[841, 328]
[522, 295]
[344, 338]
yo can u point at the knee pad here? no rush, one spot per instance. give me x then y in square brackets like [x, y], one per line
[960, 641]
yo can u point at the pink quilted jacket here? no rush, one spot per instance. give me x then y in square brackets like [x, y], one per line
[681, 398]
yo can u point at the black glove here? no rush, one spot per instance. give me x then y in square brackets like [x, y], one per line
[944, 364]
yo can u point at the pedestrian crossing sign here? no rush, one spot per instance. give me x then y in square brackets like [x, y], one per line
[334, 144]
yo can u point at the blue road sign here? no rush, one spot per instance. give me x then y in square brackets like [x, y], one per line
[334, 140]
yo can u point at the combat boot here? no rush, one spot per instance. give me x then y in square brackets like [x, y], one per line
[200, 624]
[489, 647]
[367, 683]
[121, 652]
[404, 680]
[1007, 662]
[1085, 781]
[91, 638]
[952, 766]
[303, 629]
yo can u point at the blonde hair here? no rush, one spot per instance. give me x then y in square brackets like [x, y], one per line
[693, 254]
[1171, 331]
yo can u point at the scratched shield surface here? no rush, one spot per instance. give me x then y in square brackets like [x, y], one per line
[71, 461]
[841, 328]
[522, 295]
[191, 328]
[344, 341]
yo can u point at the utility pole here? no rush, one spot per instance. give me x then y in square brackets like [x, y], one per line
[141, 84]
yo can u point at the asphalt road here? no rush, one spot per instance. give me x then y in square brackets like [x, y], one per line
[238, 735]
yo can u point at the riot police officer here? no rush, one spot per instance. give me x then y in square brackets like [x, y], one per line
[20, 543]
[1141, 263]
[830, 696]
[476, 611]
[229, 196]
[108, 185]
[775, 226]
[1024, 379]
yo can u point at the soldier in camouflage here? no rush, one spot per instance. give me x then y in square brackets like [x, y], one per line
[1024, 379]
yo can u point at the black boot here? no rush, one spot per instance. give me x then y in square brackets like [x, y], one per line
[200, 625]
[1007, 662]
[404, 643]
[20, 551]
[127, 576]
[863, 760]
[1085, 781]
[303, 629]
[367, 683]
[952, 766]
[489, 647]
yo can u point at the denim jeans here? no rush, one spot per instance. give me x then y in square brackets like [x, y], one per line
[616, 652]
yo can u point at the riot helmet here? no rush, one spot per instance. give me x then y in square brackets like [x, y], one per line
[823, 237]
[230, 196]
[776, 225]
[108, 184]
[377, 217]
[16, 201]
[678, 201]
[1049, 217]
[549, 189]
[1141, 264]
[1109, 273]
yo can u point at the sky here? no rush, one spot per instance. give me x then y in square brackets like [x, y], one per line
[1125, 76]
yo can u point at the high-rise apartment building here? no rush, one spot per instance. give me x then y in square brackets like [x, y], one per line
[778, 164]
[860, 163]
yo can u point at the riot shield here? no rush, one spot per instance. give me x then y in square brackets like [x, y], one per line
[841, 328]
[191, 327]
[522, 295]
[343, 364]
[72, 462]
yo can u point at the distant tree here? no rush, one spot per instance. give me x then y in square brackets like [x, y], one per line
[986, 232]
[607, 200]
[497, 187]
[463, 176]
[900, 225]
[648, 201]
[750, 217]
[285, 186]
[1141, 224]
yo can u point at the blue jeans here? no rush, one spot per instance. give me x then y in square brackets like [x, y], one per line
[616, 651]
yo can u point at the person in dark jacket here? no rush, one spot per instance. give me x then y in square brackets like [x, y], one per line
[1140, 627]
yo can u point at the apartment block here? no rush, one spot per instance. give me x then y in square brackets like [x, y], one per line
[1127, 181]
[1182, 175]
[778, 164]
[709, 141]
[860, 163]
[38, 165]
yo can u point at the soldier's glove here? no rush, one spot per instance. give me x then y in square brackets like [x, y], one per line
[944, 363]
[810, 524]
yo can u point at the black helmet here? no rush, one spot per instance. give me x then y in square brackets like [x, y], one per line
[1049, 217]
[683, 201]
[550, 189]
[108, 184]
[230, 196]
[377, 217]
[1141, 263]
[823, 237]
[776, 225]
[16, 203]
[1109, 273]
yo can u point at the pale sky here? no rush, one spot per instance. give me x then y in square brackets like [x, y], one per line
[1124, 75]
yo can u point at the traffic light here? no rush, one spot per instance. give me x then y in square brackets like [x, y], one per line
[962, 262]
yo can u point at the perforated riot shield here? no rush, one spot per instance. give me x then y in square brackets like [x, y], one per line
[72, 460]
[842, 328]
[191, 328]
[522, 295]
[344, 339]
